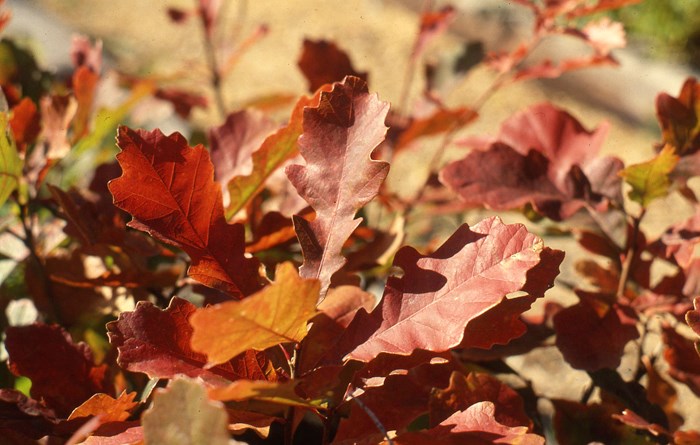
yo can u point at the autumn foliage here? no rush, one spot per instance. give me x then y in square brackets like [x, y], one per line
[266, 283]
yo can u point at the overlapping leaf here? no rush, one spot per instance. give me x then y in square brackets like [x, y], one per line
[440, 294]
[107, 407]
[542, 156]
[169, 189]
[680, 118]
[274, 151]
[157, 343]
[475, 425]
[63, 373]
[10, 163]
[339, 176]
[323, 62]
[650, 180]
[276, 314]
[182, 414]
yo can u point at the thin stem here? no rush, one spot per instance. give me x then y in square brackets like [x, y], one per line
[630, 254]
[215, 73]
[371, 415]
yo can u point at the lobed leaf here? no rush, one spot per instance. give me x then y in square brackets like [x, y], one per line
[63, 373]
[10, 162]
[106, 407]
[276, 314]
[157, 343]
[650, 179]
[182, 414]
[169, 189]
[440, 294]
[339, 176]
[274, 151]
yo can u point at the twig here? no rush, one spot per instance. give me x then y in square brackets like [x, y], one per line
[371, 415]
[210, 51]
[629, 256]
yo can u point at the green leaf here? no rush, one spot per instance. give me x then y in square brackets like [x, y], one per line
[650, 179]
[10, 162]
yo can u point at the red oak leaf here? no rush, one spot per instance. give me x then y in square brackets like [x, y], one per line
[157, 343]
[475, 425]
[682, 359]
[23, 418]
[323, 62]
[63, 373]
[439, 294]
[464, 391]
[339, 176]
[233, 143]
[541, 156]
[169, 189]
[25, 123]
[592, 335]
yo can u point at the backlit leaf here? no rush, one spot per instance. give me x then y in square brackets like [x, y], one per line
[169, 189]
[182, 414]
[63, 373]
[10, 163]
[323, 62]
[157, 343]
[650, 179]
[107, 407]
[339, 176]
[439, 294]
[274, 151]
[276, 314]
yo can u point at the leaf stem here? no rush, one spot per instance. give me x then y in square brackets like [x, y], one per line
[215, 73]
[629, 255]
[370, 414]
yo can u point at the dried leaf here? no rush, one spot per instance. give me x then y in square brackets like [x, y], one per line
[106, 407]
[182, 414]
[439, 294]
[276, 314]
[322, 62]
[157, 343]
[169, 189]
[274, 151]
[475, 425]
[542, 156]
[650, 180]
[339, 177]
[63, 373]
[593, 336]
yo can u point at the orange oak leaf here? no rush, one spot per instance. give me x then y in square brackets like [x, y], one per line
[25, 123]
[169, 189]
[282, 393]
[439, 294]
[157, 343]
[276, 314]
[106, 407]
[339, 176]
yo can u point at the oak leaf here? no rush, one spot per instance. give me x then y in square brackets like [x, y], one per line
[63, 373]
[169, 189]
[679, 118]
[10, 162]
[157, 343]
[277, 314]
[323, 62]
[276, 149]
[441, 293]
[650, 179]
[182, 414]
[542, 156]
[475, 425]
[106, 407]
[339, 177]
[682, 358]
